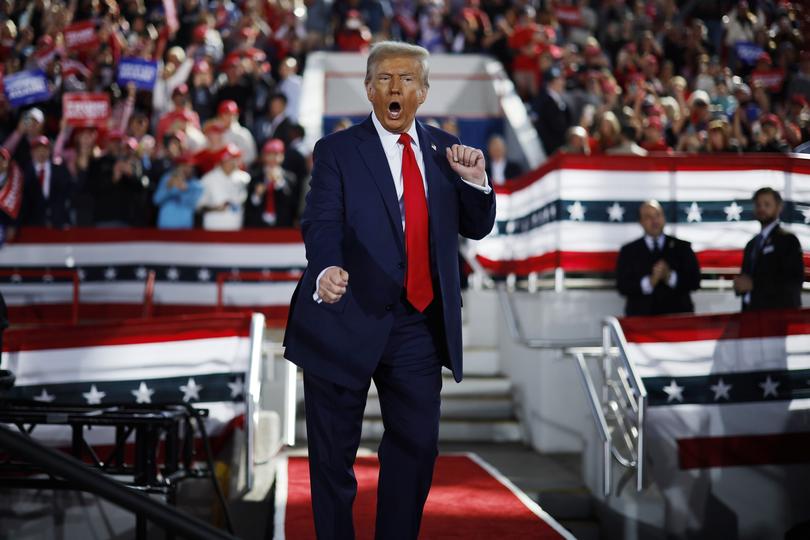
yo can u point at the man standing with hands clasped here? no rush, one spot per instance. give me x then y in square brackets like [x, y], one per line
[773, 265]
[380, 298]
[657, 272]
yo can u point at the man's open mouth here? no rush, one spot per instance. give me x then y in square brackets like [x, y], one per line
[394, 110]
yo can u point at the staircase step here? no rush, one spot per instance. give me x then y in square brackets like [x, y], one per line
[496, 408]
[449, 430]
[479, 387]
[481, 361]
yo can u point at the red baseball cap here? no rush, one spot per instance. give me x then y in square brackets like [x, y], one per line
[769, 118]
[654, 122]
[275, 146]
[180, 90]
[228, 106]
[202, 67]
[231, 151]
[40, 140]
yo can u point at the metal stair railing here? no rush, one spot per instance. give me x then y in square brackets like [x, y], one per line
[85, 478]
[620, 410]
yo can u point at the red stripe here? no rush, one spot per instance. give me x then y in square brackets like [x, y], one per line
[779, 449]
[37, 235]
[276, 316]
[794, 163]
[680, 328]
[128, 332]
[713, 260]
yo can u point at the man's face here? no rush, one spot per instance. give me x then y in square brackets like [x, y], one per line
[652, 220]
[497, 150]
[40, 153]
[396, 91]
[766, 209]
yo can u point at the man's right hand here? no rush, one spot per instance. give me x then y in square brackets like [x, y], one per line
[743, 284]
[332, 285]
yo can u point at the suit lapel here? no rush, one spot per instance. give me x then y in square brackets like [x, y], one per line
[373, 155]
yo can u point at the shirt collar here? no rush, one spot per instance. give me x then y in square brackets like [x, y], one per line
[766, 230]
[391, 140]
[650, 241]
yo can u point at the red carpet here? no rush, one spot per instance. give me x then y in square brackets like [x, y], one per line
[469, 500]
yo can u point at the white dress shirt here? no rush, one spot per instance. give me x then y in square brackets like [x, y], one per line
[393, 154]
[763, 235]
[646, 284]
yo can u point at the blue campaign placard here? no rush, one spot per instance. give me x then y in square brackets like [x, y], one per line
[747, 52]
[26, 87]
[141, 72]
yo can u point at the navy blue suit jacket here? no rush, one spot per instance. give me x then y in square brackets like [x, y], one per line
[352, 220]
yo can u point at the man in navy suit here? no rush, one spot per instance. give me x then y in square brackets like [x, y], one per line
[657, 272]
[380, 298]
[773, 266]
[48, 189]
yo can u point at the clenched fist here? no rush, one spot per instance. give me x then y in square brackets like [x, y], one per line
[332, 285]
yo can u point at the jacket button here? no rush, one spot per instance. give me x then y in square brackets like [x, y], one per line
[389, 307]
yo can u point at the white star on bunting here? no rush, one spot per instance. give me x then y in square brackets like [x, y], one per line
[173, 274]
[733, 211]
[721, 390]
[510, 227]
[110, 273]
[82, 274]
[141, 272]
[94, 397]
[576, 212]
[237, 387]
[806, 214]
[673, 391]
[694, 213]
[615, 212]
[191, 390]
[203, 274]
[143, 394]
[769, 387]
[44, 397]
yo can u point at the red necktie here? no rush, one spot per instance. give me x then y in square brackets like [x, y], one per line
[418, 284]
[41, 177]
[270, 201]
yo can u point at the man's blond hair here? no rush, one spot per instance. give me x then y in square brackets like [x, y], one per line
[393, 49]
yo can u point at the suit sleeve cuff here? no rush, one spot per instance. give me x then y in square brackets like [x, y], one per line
[646, 285]
[673, 279]
[485, 189]
[315, 296]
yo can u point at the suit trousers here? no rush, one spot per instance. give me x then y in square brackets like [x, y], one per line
[408, 380]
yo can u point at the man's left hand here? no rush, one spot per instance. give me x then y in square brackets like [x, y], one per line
[468, 163]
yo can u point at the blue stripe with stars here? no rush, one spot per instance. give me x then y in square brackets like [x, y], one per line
[607, 211]
[717, 388]
[202, 388]
[138, 272]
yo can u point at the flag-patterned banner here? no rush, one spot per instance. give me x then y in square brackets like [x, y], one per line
[112, 267]
[575, 212]
[202, 360]
[728, 414]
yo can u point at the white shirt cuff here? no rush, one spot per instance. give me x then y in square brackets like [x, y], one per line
[673, 279]
[485, 189]
[646, 285]
[315, 296]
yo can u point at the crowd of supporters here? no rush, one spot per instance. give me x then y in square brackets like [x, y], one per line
[215, 141]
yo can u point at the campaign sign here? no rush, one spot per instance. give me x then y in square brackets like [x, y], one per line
[85, 109]
[26, 87]
[141, 72]
[747, 52]
[81, 36]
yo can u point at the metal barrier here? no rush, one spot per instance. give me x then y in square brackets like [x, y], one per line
[70, 273]
[620, 410]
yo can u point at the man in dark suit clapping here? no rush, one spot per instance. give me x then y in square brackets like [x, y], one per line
[657, 272]
[773, 267]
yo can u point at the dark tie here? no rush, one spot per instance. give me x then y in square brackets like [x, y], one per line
[418, 284]
[656, 250]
